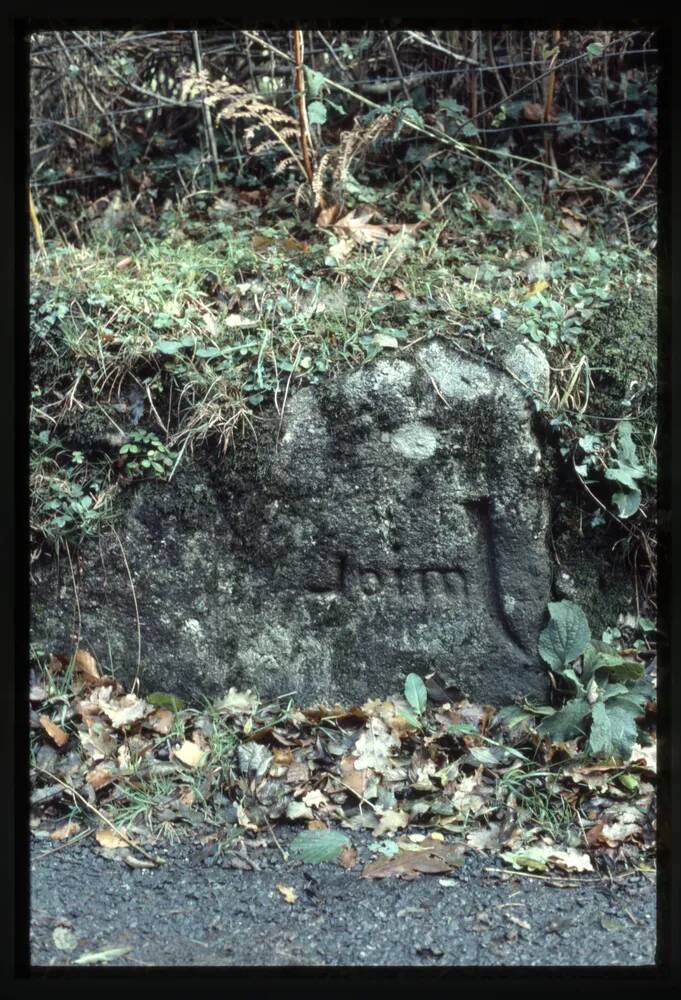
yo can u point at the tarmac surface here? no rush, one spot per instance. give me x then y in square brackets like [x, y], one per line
[198, 909]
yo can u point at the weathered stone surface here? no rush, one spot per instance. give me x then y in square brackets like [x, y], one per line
[398, 524]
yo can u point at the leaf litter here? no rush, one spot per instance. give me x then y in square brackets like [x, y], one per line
[484, 778]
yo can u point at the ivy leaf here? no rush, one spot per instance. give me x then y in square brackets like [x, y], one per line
[565, 637]
[567, 721]
[315, 81]
[595, 49]
[613, 730]
[627, 503]
[314, 846]
[416, 693]
[627, 468]
[316, 113]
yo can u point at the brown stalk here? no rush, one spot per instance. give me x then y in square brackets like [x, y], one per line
[300, 98]
[550, 88]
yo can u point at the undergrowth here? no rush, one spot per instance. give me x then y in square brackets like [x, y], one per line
[156, 337]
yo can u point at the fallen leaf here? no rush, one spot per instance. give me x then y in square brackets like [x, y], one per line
[533, 112]
[540, 857]
[573, 226]
[374, 746]
[385, 340]
[127, 710]
[348, 857]
[297, 773]
[342, 249]
[287, 892]
[161, 721]
[298, 810]
[55, 732]
[392, 819]
[536, 288]
[111, 839]
[430, 857]
[314, 846]
[259, 242]
[123, 263]
[315, 798]
[327, 216]
[65, 831]
[101, 776]
[85, 665]
[188, 753]
[64, 939]
[482, 203]
[237, 702]
[99, 957]
[210, 324]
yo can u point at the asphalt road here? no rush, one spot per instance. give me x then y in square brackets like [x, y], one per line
[199, 910]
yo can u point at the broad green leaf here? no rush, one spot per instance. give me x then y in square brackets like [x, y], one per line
[646, 624]
[316, 113]
[410, 718]
[627, 503]
[168, 346]
[416, 693]
[163, 700]
[626, 670]
[613, 730]
[314, 846]
[315, 81]
[566, 635]
[612, 690]
[567, 723]
[595, 49]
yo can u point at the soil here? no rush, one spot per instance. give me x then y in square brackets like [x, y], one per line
[197, 909]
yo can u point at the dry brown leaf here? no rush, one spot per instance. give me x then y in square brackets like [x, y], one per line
[430, 857]
[288, 892]
[355, 780]
[186, 797]
[126, 710]
[100, 776]
[258, 242]
[65, 831]
[188, 753]
[111, 839]
[328, 216]
[348, 857]
[297, 773]
[97, 743]
[533, 112]
[572, 226]
[392, 819]
[85, 665]
[161, 721]
[210, 324]
[339, 251]
[55, 732]
[484, 204]
[123, 263]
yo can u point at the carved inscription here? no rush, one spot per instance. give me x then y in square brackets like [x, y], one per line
[352, 579]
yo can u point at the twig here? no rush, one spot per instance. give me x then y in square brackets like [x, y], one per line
[300, 100]
[645, 180]
[283, 853]
[35, 222]
[67, 843]
[101, 816]
[207, 120]
[396, 64]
